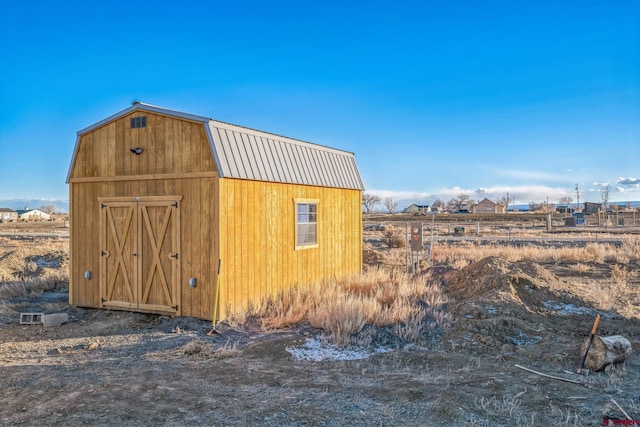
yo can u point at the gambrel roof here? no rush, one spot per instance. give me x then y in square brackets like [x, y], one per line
[245, 153]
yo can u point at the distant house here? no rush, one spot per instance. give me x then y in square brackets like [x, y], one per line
[7, 214]
[32, 214]
[565, 209]
[487, 206]
[590, 207]
[417, 209]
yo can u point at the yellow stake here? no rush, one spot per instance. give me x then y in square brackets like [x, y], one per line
[215, 300]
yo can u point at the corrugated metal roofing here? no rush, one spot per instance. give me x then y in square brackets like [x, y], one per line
[246, 153]
[251, 154]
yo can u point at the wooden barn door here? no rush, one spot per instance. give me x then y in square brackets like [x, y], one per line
[117, 252]
[140, 256]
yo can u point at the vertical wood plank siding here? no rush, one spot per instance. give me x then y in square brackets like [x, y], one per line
[245, 219]
[258, 253]
[170, 145]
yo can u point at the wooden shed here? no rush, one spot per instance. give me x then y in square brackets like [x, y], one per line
[172, 212]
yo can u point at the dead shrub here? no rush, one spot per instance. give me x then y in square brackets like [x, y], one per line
[12, 290]
[413, 325]
[631, 247]
[393, 240]
[340, 319]
[283, 310]
[620, 289]
[596, 252]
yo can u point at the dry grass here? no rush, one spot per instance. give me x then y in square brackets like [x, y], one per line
[505, 410]
[411, 306]
[580, 268]
[30, 268]
[466, 253]
[382, 297]
[206, 350]
[620, 291]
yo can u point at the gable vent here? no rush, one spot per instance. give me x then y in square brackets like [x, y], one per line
[138, 122]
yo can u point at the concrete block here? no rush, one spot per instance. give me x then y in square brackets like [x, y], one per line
[31, 318]
[54, 320]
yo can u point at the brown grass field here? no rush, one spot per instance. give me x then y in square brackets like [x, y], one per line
[444, 346]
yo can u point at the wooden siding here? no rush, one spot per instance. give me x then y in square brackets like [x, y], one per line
[171, 146]
[198, 240]
[257, 235]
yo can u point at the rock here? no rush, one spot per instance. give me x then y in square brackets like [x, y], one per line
[54, 320]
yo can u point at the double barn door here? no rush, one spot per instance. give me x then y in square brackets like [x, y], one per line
[140, 253]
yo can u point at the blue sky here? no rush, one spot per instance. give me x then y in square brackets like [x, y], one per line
[490, 98]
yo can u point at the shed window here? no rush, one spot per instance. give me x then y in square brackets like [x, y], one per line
[306, 223]
[138, 122]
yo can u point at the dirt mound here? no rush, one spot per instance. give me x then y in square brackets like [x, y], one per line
[502, 307]
[521, 285]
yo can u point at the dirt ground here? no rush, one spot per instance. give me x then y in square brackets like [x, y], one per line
[120, 368]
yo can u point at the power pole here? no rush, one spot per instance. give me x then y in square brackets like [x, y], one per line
[578, 198]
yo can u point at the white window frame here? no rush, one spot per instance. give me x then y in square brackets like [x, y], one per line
[298, 202]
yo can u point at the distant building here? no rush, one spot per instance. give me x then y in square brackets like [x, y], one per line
[417, 209]
[565, 209]
[32, 214]
[7, 214]
[590, 207]
[487, 206]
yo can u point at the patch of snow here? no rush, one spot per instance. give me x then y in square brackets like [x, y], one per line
[315, 350]
[565, 309]
[45, 263]
[524, 339]
[491, 309]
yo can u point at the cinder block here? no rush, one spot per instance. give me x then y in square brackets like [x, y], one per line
[31, 318]
[54, 319]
